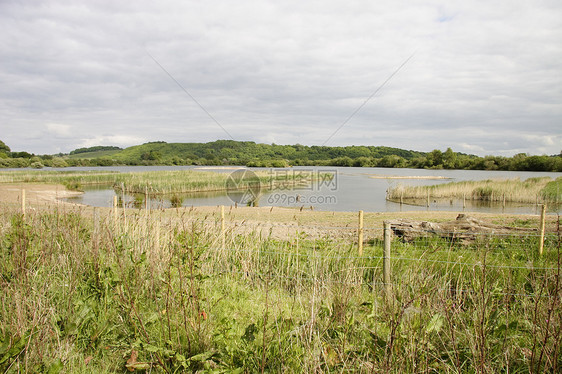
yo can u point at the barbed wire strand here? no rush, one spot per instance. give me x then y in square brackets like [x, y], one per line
[318, 256]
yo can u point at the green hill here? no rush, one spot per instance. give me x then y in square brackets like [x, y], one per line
[230, 152]
[94, 152]
[95, 149]
[234, 152]
[93, 155]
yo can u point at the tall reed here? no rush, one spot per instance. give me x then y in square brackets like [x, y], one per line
[531, 190]
[162, 182]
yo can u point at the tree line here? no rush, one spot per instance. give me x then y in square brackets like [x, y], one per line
[230, 152]
[95, 149]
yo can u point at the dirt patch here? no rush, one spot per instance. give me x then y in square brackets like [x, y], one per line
[40, 194]
[286, 223]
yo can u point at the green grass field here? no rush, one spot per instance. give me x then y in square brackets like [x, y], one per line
[159, 292]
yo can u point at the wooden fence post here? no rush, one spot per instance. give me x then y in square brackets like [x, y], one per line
[146, 203]
[157, 235]
[23, 203]
[95, 234]
[298, 254]
[222, 228]
[123, 204]
[543, 226]
[386, 260]
[115, 210]
[360, 234]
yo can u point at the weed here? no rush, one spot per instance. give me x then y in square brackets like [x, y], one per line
[158, 292]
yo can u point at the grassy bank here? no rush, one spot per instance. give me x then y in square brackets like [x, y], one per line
[531, 190]
[159, 292]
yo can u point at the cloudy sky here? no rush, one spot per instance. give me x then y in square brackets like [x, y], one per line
[482, 77]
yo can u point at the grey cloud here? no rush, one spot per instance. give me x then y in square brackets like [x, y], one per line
[485, 75]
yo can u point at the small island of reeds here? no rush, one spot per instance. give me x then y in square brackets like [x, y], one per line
[529, 191]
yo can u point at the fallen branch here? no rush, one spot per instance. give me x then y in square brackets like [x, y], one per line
[464, 229]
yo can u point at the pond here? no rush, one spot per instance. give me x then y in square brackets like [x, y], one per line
[352, 189]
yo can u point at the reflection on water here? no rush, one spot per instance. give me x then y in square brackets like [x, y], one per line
[101, 196]
[353, 189]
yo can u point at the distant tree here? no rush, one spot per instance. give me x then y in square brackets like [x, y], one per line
[417, 162]
[435, 159]
[95, 149]
[59, 162]
[357, 151]
[102, 161]
[364, 162]
[449, 159]
[540, 163]
[342, 161]
[21, 155]
[151, 156]
[518, 162]
[4, 148]
[392, 161]
[15, 162]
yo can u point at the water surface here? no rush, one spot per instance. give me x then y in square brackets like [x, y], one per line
[352, 189]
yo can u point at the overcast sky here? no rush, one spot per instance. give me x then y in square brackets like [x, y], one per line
[484, 77]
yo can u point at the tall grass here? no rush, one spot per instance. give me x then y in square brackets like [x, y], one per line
[553, 190]
[71, 179]
[159, 182]
[156, 291]
[168, 182]
[531, 190]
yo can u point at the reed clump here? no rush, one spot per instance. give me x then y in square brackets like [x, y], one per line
[531, 191]
[162, 182]
[72, 179]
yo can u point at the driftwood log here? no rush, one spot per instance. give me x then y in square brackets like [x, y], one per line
[464, 229]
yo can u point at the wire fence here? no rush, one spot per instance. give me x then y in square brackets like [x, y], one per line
[355, 285]
[349, 254]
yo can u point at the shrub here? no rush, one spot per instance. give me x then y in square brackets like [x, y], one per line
[59, 162]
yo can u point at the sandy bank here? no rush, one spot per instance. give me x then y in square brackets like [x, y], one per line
[36, 193]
